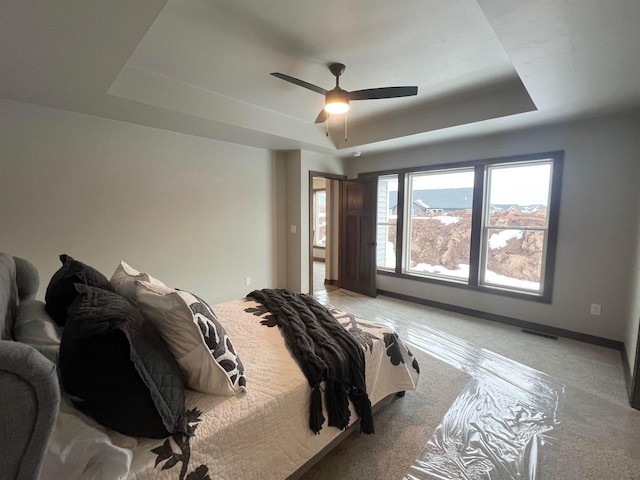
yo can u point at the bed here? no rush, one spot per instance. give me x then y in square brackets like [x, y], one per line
[261, 431]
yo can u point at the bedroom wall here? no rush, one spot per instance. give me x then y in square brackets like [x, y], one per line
[598, 221]
[292, 162]
[199, 214]
[298, 165]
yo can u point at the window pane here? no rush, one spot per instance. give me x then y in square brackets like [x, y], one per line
[320, 218]
[514, 258]
[439, 222]
[387, 219]
[519, 195]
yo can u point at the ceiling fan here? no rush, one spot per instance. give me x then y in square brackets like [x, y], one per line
[337, 100]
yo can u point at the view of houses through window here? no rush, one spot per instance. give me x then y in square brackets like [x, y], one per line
[437, 224]
[439, 219]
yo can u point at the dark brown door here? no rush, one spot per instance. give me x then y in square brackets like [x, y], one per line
[358, 236]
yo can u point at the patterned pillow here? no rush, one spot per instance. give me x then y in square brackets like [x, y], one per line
[200, 344]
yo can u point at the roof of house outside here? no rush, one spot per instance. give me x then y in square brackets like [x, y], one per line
[455, 199]
[446, 198]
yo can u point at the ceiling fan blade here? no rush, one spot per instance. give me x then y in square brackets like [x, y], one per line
[300, 83]
[385, 92]
[322, 116]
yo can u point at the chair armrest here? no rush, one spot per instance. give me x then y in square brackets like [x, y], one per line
[29, 403]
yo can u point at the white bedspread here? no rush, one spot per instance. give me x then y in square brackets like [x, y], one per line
[264, 433]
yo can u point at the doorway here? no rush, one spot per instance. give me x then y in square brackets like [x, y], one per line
[324, 220]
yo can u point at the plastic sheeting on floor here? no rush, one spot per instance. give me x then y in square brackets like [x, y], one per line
[500, 423]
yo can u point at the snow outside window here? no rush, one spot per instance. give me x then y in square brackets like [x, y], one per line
[489, 225]
[515, 225]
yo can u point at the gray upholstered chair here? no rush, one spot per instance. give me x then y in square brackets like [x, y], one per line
[29, 390]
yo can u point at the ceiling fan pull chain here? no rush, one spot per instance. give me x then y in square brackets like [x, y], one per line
[345, 126]
[328, 117]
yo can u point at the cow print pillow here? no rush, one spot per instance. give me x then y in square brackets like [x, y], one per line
[216, 339]
[202, 347]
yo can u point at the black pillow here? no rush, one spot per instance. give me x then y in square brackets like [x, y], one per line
[118, 369]
[61, 293]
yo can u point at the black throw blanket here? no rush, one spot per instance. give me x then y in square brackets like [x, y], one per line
[325, 352]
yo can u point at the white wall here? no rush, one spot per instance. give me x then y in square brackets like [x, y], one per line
[295, 246]
[198, 214]
[598, 219]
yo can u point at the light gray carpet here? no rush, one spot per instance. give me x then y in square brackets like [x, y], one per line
[599, 434]
[596, 439]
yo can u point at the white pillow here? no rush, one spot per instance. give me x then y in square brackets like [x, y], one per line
[199, 343]
[124, 280]
[35, 327]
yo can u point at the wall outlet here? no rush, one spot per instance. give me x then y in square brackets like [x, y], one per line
[596, 309]
[294, 229]
[247, 281]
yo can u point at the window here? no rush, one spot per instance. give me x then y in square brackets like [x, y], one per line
[488, 225]
[438, 218]
[387, 219]
[515, 226]
[320, 218]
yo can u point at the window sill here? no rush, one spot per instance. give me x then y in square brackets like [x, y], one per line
[532, 297]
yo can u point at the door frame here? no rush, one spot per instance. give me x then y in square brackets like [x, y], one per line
[633, 377]
[328, 176]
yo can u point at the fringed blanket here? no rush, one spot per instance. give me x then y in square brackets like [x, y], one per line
[325, 352]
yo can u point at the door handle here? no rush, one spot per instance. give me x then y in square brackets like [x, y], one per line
[371, 244]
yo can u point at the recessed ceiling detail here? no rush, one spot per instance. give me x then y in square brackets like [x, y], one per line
[202, 66]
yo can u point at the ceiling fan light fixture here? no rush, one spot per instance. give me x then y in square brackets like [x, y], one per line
[336, 108]
[337, 101]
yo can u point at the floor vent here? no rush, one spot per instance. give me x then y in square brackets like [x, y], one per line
[540, 334]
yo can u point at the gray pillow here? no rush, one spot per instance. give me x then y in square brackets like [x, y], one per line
[119, 369]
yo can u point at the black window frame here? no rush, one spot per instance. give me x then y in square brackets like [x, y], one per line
[549, 260]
